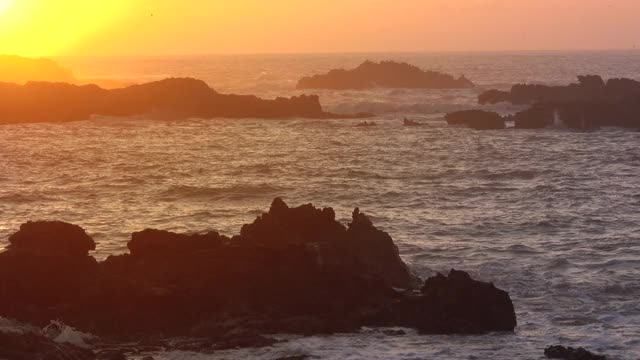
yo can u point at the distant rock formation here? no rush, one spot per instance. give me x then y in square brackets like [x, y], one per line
[476, 119]
[174, 98]
[589, 104]
[293, 270]
[386, 74]
[19, 70]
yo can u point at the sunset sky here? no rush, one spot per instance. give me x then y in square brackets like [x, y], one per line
[158, 27]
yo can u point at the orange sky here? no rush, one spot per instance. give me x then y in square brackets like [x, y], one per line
[139, 27]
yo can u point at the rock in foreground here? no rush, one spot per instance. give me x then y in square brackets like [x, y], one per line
[293, 270]
[386, 74]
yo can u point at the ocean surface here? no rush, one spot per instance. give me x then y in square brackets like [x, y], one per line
[552, 215]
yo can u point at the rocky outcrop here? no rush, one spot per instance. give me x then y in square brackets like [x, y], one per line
[569, 353]
[175, 98]
[476, 119]
[453, 304]
[386, 74]
[293, 270]
[52, 238]
[19, 70]
[591, 103]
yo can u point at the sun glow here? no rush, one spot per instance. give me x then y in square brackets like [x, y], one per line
[48, 27]
[5, 5]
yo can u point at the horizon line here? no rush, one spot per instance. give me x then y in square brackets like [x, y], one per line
[367, 52]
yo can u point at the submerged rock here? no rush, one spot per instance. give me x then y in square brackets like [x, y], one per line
[476, 119]
[386, 74]
[569, 353]
[293, 270]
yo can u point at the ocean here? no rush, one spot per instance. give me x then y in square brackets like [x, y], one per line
[549, 215]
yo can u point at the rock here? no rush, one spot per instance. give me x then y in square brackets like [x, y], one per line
[589, 104]
[52, 238]
[295, 357]
[453, 304]
[19, 70]
[174, 98]
[386, 74]
[569, 353]
[29, 346]
[476, 119]
[293, 270]
[164, 243]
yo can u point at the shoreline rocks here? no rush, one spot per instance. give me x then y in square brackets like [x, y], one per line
[293, 270]
[385, 74]
[589, 104]
[173, 98]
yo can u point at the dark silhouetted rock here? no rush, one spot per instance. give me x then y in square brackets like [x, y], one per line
[386, 74]
[589, 104]
[293, 270]
[164, 243]
[476, 119]
[454, 304]
[175, 98]
[569, 353]
[51, 238]
[30, 346]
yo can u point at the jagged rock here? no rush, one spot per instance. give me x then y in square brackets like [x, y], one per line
[453, 304]
[174, 98]
[386, 74]
[30, 346]
[476, 119]
[52, 238]
[293, 270]
[569, 353]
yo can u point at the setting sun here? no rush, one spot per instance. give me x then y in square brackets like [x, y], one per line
[5, 5]
[41, 27]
